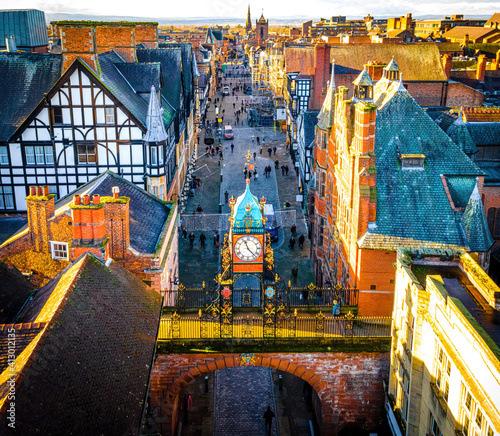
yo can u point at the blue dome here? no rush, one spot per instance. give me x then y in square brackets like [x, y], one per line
[242, 216]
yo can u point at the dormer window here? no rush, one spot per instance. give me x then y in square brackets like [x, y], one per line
[412, 161]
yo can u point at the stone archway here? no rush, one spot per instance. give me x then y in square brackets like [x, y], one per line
[348, 385]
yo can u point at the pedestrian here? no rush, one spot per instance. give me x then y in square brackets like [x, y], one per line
[203, 238]
[336, 309]
[292, 242]
[268, 417]
[232, 147]
[301, 241]
[221, 156]
[255, 175]
[293, 229]
[226, 196]
[258, 139]
[184, 232]
[276, 164]
[191, 239]
[187, 402]
[207, 150]
[286, 170]
[245, 172]
[295, 273]
[274, 149]
[216, 239]
[254, 155]
[283, 169]
[199, 209]
[253, 138]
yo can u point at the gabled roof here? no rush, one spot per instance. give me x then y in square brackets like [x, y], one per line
[187, 66]
[171, 69]
[25, 79]
[412, 204]
[148, 214]
[310, 120]
[141, 76]
[475, 224]
[461, 136]
[89, 374]
[15, 290]
[325, 116]
[473, 32]
[217, 35]
[495, 18]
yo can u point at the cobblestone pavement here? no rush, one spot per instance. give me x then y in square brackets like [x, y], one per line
[219, 176]
[241, 397]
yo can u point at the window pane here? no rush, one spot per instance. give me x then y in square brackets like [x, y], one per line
[49, 156]
[153, 156]
[40, 155]
[110, 115]
[4, 156]
[30, 155]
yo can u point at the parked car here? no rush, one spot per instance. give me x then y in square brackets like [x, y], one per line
[228, 132]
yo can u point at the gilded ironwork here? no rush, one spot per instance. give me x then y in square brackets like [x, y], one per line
[349, 323]
[248, 328]
[176, 326]
[320, 324]
[247, 359]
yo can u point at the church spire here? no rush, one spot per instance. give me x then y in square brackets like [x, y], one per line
[154, 120]
[325, 116]
[248, 26]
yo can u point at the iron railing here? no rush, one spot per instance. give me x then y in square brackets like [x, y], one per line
[200, 298]
[176, 327]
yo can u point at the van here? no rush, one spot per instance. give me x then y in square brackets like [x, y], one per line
[228, 132]
[271, 223]
[225, 90]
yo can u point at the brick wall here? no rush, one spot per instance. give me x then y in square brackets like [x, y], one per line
[462, 95]
[321, 76]
[147, 35]
[120, 39]
[349, 385]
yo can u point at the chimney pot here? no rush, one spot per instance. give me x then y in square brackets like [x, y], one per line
[39, 191]
[45, 190]
[96, 199]
[77, 199]
[86, 199]
[116, 191]
[32, 190]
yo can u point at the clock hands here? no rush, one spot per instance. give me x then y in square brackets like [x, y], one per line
[248, 248]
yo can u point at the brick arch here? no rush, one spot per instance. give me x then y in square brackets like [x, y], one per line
[172, 373]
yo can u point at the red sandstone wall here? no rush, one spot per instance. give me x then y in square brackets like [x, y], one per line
[349, 386]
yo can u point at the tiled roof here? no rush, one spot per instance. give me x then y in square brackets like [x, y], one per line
[25, 79]
[443, 120]
[475, 224]
[460, 189]
[89, 375]
[147, 213]
[24, 334]
[485, 133]
[187, 67]
[495, 18]
[310, 121]
[492, 170]
[217, 34]
[461, 136]
[482, 116]
[473, 32]
[15, 290]
[171, 67]
[141, 76]
[412, 203]
[363, 79]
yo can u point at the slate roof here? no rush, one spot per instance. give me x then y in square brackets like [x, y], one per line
[461, 136]
[363, 79]
[26, 78]
[122, 89]
[217, 34]
[485, 133]
[171, 67]
[89, 375]
[411, 203]
[148, 214]
[26, 25]
[310, 121]
[141, 76]
[460, 188]
[154, 123]
[15, 290]
[475, 224]
[9, 225]
[187, 67]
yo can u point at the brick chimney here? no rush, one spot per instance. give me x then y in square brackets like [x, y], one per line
[40, 208]
[446, 61]
[375, 70]
[321, 75]
[89, 232]
[481, 67]
[117, 217]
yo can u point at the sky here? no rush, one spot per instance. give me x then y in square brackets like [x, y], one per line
[272, 8]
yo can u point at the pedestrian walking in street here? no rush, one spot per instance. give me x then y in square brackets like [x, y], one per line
[274, 150]
[216, 239]
[292, 242]
[191, 239]
[268, 417]
[226, 196]
[283, 170]
[199, 209]
[294, 230]
[187, 402]
[203, 238]
[295, 273]
[254, 155]
[301, 241]
[270, 151]
[258, 139]
[277, 164]
[255, 175]
[232, 147]
[286, 170]
[245, 172]
[253, 138]
[184, 232]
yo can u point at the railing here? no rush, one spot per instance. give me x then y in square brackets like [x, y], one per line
[176, 327]
[296, 297]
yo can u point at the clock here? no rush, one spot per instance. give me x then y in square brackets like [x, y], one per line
[247, 248]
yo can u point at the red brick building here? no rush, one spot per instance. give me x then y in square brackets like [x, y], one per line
[109, 217]
[387, 176]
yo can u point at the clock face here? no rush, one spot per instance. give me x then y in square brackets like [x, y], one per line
[247, 248]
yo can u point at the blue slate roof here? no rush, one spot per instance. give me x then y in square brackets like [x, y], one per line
[171, 67]
[28, 27]
[148, 214]
[310, 121]
[141, 76]
[187, 67]
[412, 203]
[460, 188]
[255, 214]
[485, 133]
[461, 136]
[25, 79]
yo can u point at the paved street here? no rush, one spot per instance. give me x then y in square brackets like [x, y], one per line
[219, 176]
